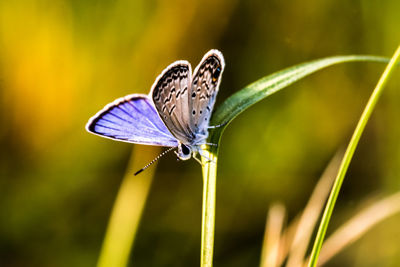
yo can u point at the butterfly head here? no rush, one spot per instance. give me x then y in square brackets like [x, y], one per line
[184, 152]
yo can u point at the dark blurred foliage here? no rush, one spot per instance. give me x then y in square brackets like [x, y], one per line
[61, 61]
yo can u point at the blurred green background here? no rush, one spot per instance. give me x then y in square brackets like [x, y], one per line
[62, 60]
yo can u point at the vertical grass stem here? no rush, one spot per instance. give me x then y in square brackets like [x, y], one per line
[209, 168]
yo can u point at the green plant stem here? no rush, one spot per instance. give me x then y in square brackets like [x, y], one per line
[209, 168]
[348, 156]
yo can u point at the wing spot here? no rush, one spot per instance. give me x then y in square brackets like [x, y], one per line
[194, 112]
[193, 95]
[216, 74]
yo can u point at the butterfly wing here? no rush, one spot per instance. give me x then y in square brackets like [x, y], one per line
[170, 93]
[204, 89]
[131, 119]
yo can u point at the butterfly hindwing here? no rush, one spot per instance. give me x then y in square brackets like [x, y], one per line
[204, 89]
[132, 119]
[170, 94]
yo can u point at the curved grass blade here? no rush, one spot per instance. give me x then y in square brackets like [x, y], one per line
[231, 108]
[349, 155]
[272, 83]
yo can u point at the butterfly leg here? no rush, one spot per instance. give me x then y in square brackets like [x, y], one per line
[204, 156]
[197, 159]
[211, 144]
[217, 126]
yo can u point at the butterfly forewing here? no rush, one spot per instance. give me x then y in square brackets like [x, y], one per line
[131, 119]
[170, 95]
[204, 89]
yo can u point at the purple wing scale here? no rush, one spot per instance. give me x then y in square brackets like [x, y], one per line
[132, 119]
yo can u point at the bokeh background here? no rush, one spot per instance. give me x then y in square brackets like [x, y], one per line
[63, 60]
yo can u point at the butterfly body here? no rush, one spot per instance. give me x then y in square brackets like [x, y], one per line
[176, 113]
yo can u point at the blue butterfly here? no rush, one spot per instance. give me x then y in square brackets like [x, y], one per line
[176, 113]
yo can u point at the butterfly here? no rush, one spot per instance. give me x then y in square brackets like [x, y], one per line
[175, 114]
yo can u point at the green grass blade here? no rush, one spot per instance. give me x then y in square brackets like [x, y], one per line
[270, 84]
[348, 156]
[232, 107]
[127, 210]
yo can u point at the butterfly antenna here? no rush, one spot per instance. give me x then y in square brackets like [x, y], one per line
[154, 160]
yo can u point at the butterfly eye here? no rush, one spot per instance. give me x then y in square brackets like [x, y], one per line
[216, 74]
[185, 150]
